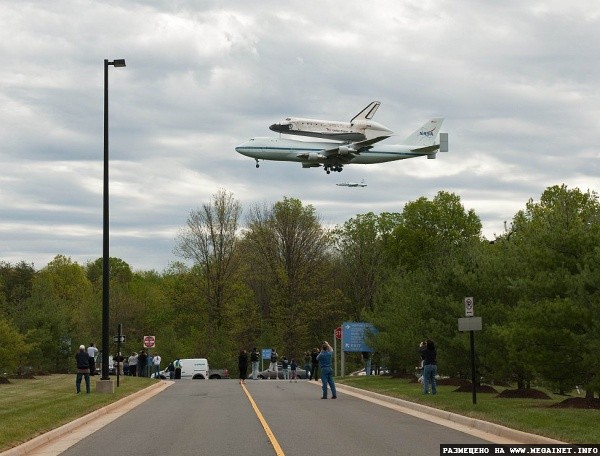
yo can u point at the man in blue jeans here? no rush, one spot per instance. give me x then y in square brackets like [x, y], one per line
[325, 357]
[429, 355]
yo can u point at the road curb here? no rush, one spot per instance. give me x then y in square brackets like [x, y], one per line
[47, 437]
[472, 423]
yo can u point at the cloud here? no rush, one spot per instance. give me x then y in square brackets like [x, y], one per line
[516, 82]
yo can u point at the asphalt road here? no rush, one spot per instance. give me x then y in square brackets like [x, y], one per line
[217, 418]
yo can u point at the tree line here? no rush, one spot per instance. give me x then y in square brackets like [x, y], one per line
[275, 276]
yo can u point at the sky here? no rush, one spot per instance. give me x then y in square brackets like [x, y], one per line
[518, 84]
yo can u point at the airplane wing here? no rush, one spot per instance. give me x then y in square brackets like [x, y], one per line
[352, 149]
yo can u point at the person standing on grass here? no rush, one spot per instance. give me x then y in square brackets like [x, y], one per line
[429, 355]
[325, 358]
[133, 362]
[92, 353]
[83, 369]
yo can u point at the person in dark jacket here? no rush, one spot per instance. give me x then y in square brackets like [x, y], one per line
[314, 371]
[83, 369]
[243, 366]
[429, 355]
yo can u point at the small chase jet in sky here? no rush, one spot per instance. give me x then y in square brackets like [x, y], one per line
[334, 156]
[352, 184]
[361, 127]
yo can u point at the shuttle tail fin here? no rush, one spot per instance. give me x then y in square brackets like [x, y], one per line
[367, 113]
[425, 136]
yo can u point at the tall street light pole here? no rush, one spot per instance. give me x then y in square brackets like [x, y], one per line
[105, 254]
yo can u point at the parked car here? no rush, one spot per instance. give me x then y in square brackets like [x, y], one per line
[217, 374]
[194, 368]
[300, 373]
[382, 371]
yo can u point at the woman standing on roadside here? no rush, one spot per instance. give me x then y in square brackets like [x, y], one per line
[243, 366]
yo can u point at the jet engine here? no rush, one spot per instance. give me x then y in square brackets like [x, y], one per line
[314, 156]
[345, 150]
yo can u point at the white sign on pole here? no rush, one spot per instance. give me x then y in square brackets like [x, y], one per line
[470, 324]
[469, 307]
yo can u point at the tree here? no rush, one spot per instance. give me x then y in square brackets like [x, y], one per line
[435, 243]
[362, 245]
[556, 241]
[15, 288]
[13, 347]
[58, 312]
[286, 247]
[431, 232]
[210, 240]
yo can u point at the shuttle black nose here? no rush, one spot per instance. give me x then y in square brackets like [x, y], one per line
[280, 128]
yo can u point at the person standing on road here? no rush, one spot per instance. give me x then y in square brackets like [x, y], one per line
[325, 358]
[177, 364]
[429, 355]
[156, 362]
[243, 365]
[293, 368]
[285, 368]
[254, 358]
[273, 365]
[314, 370]
[82, 359]
[92, 353]
[307, 360]
[171, 370]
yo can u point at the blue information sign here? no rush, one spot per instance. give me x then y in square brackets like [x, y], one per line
[354, 334]
[266, 353]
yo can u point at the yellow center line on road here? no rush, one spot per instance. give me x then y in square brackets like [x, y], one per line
[261, 418]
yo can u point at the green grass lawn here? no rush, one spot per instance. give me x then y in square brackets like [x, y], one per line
[31, 407]
[528, 415]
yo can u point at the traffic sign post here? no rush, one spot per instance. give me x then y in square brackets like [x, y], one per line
[149, 342]
[469, 311]
[471, 324]
[353, 339]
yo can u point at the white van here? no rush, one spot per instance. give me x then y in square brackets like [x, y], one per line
[194, 368]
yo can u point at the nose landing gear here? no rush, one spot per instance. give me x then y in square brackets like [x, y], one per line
[257, 165]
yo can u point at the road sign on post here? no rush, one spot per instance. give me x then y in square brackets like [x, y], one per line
[469, 312]
[338, 332]
[149, 341]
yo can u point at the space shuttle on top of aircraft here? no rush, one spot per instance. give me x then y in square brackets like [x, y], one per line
[360, 128]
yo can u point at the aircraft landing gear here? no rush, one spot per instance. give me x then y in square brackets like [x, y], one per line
[257, 165]
[337, 168]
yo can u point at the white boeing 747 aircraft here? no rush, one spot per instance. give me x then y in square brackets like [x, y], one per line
[333, 156]
[359, 128]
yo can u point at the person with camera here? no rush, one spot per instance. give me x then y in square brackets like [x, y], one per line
[325, 358]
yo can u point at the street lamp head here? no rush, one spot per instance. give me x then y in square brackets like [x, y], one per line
[119, 62]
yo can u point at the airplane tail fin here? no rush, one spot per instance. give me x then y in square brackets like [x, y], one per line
[425, 136]
[368, 112]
